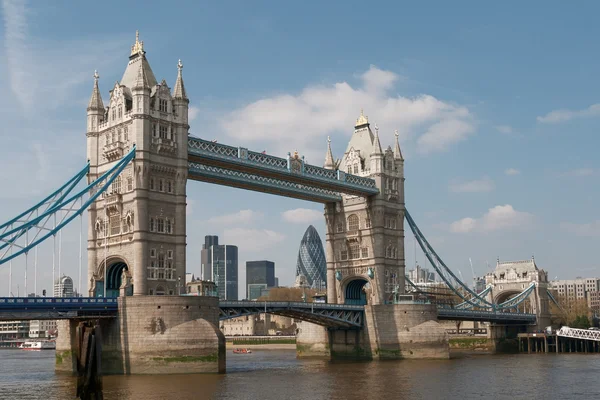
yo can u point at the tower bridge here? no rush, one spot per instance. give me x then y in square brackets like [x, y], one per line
[140, 158]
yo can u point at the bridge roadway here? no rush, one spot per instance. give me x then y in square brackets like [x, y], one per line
[332, 315]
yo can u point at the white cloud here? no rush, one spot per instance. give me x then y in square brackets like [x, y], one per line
[302, 215]
[579, 172]
[240, 217]
[476, 186]
[193, 112]
[497, 218]
[504, 129]
[589, 229]
[512, 171]
[303, 121]
[563, 115]
[252, 240]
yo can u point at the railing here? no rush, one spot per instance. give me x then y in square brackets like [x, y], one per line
[292, 164]
[575, 333]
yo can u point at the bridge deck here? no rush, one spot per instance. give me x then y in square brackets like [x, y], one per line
[331, 315]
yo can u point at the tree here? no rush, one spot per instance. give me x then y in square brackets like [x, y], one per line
[572, 312]
[288, 294]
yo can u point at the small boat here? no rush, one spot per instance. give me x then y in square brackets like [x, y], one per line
[242, 351]
[38, 345]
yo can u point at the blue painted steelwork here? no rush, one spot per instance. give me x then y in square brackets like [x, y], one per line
[553, 299]
[246, 180]
[355, 293]
[457, 286]
[26, 308]
[291, 169]
[330, 315]
[466, 305]
[69, 207]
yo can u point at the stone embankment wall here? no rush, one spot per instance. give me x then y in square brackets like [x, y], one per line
[155, 335]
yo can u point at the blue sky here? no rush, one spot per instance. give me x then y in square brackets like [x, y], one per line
[497, 106]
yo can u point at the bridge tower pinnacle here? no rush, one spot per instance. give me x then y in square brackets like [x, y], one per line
[365, 236]
[137, 229]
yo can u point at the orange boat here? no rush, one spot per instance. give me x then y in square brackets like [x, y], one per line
[242, 351]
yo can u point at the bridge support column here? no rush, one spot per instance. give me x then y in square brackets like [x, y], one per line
[154, 335]
[391, 331]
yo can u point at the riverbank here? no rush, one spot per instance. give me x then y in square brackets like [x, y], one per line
[266, 346]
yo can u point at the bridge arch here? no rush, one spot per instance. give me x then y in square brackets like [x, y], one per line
[526, 306]
[356, 291]
[118, 267]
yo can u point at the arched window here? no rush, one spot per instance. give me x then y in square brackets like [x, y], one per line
[353, 223]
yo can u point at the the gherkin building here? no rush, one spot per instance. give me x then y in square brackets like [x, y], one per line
[311, 259]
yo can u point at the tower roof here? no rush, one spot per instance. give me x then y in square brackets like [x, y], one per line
[141, 81]
[179, 90]
[137, 60]
[362, 140]
[96, 99]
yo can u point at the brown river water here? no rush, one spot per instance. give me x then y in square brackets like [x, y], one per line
[278, 374]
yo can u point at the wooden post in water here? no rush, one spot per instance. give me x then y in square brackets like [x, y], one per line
[89, 359]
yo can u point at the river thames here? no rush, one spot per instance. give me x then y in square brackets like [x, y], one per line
[277, 374]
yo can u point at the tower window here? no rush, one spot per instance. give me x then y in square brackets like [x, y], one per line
[340, 227]
[160, 225]
[162, 105]
[120, 111]
[126, 135]
[353, 223]
[169, 187]
[170, 254]
[129, 183]
[151, 183]
[163, 132]
[364, 252]
[169, 226]
[152, 253]
[344, 255]
[354, 251]
[154, 130]
[114, 114]
[151, 224]
[356, 168]
[160, 185]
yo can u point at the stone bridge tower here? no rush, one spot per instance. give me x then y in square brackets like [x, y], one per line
[137, 231]
[513, 277]
[365, 236]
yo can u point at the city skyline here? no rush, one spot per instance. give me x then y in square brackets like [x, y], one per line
[505, 176]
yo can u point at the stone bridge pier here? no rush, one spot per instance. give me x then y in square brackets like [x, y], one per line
[153, 335]
[391, 331]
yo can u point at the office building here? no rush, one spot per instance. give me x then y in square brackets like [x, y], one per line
[576, 289]
[421, 275]
[63, 287]
[311, 260]
[220, 265]
[259, 273]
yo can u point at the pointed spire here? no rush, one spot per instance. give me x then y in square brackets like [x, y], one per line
[96, 99]
[397, 152]
[179, 90]
[362, 120]
[329, 156]
[376, 144]
[138, 46]
[141, 82]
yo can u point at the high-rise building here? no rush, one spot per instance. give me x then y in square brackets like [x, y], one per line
[220, 265]
[421, 275]
[63, 287]
[259, 273]
[311, 259]
[576, 289]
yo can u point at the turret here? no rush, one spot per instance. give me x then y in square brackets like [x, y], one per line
[180, 99]
[95, 109]
[141, 87]
[376, 154]
[329, 163]
[398, 159]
